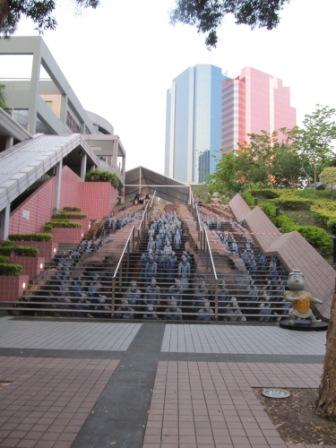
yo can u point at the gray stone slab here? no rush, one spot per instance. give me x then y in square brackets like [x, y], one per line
[241, 339]
[60, 335]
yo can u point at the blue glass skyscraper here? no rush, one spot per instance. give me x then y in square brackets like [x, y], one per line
[193, 118]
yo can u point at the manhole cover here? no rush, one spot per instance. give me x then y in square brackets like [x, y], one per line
[275, 393]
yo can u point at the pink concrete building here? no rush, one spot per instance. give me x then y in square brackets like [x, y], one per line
[253, 102]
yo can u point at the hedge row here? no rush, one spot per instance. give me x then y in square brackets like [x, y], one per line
[103, 176]
[3, 259]
[10, 269]
[30, 237]
[65, 215]
[293, 203]
[58, 223]
[265, 193]
[71, 209]
[317, 237]
[19, 250]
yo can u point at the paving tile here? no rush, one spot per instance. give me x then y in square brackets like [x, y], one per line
[223, 410]
[241, 339]
[53, 425]
[66, 335]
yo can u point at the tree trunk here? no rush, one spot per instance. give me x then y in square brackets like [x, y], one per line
[4, 10]
[326, 403]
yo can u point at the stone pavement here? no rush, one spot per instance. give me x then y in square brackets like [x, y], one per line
[241, 339]
[46, 401]
[213, 404]
[60, 335]
[102, 385]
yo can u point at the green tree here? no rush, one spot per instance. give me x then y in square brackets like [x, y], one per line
[287, 167]
[315, 140]
[207, 15]
[328, 176]
[40, 11]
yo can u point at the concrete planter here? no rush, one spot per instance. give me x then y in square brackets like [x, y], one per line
[12, 286]
[31, 266]
[70, 235]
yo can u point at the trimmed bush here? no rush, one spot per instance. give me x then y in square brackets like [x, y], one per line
[60, 224]
[7, 243]
[324, 212]
[10, 269]
[3, 259]
[332, 225]
[30, 237]
[71, 209]
[265, 194]
[293, 203]
[319, 238]
[6, 250]
[25, 251]
[285, 223]
[19, 250]
[103, 176]
[247, 195]
[63, 215]
[269, 209]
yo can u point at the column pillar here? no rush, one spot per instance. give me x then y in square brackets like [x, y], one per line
[34, 91]
[4, 222]
[83, 166]
[114, 161]
[64, 107]
[58, 185]
[9, 142]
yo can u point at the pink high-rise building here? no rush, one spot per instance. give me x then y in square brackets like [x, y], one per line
[251, 103]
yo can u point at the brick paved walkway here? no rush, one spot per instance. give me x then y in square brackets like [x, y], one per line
[48, 400]
[241, 339]
[168, 388]
[60, 335]
[213, 405]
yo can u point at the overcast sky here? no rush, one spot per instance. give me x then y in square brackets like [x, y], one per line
[121, 58]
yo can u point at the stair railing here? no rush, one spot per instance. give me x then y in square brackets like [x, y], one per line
[122, 269]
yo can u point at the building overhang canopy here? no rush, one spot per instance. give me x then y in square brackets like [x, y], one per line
[147, 181]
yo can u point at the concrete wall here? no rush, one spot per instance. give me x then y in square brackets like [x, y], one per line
[293, 250]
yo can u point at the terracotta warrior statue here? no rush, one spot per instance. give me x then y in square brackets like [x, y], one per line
[299, 298]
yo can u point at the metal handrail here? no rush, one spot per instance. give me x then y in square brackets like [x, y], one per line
[123, 253]
[210, 253]
[195, 207]
[148, 207]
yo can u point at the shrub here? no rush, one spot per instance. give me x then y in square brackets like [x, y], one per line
[26, 251]
[247, 195]
[332, 225]
[19, 250]
[317, 237]
[64, 215]
[30, 237]
[7, 250]
[103, 176]
[10, 269]
[293, 203]
[3, 259]
[265, 194]
[63, 224]
[285, 223]
[269, 209]
[324, 212]
[7, 243]
[71, 209]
